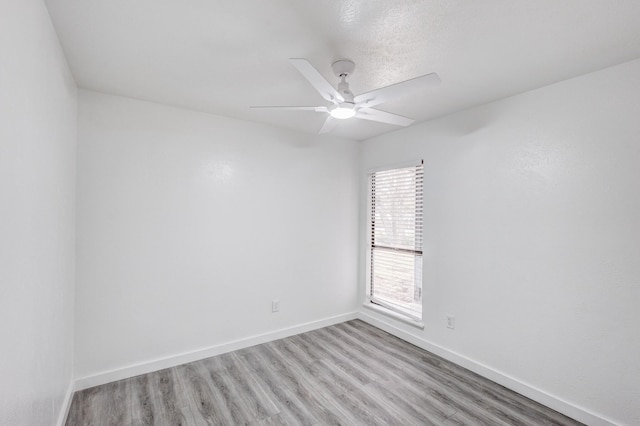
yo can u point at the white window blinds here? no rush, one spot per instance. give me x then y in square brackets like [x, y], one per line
[395, 224]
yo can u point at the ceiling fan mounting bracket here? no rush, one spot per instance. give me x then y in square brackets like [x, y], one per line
[343, 68]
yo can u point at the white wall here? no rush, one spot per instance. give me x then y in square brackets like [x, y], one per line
[37, 208]
[189, 225]
[532, 237]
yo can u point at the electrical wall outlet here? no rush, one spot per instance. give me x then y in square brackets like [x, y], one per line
[451, 322]
[275, 305]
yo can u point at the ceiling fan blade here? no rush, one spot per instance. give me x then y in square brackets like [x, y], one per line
[316, 79]
[397, 90]
[383, 117]
[328, 125]
[295, 108]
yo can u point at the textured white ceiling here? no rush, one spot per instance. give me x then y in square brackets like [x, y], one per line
[223, 56]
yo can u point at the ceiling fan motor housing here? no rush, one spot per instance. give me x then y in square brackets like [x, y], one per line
[343, 89]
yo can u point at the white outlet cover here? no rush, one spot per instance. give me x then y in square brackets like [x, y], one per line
[451, 322]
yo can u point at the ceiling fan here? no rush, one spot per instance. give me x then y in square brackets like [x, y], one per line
[344, 104]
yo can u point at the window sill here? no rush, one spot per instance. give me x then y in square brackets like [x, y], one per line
[399, 317]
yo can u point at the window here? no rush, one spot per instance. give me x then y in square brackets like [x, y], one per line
[394, 258]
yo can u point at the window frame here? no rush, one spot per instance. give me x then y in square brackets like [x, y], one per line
[376, 305]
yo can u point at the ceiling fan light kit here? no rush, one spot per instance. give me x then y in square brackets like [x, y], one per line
[345, 105]
[343, 111]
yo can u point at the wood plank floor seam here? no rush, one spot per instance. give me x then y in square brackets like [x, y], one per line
[345, 374]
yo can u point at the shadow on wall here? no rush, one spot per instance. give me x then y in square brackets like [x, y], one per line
[468, 124]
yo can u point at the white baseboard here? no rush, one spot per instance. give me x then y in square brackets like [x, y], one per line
[66, 404]
[575, 412]
[172, 361]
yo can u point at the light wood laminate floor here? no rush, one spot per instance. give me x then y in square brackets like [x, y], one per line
[349, 374]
